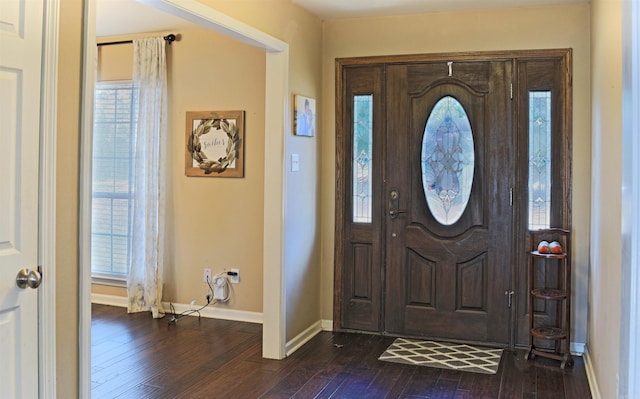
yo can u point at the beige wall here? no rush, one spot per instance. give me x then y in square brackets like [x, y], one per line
[233, 215]
[110, 290]
[215, 222]
[301, 252]
[606, 237]
[67, 162]
[115, 62]
[229, 221]
[212, 222]
[508, 29]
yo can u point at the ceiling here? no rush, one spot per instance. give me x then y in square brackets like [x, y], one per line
[333, 9]
[123, 17]
[127, 17]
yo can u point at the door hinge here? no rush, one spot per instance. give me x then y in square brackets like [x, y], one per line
[511, 196]
[511, 91]
[509, 294]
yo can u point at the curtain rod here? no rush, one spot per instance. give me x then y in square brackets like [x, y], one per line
[169, 38]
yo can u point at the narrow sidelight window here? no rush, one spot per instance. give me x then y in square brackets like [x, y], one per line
[539, 160]
[362, 157]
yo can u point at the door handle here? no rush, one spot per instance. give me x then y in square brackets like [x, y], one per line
[28, 278]
[394, 213]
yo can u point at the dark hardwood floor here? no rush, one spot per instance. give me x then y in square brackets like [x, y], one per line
[135, 356]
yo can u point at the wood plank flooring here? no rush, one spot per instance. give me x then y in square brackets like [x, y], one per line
[135, 356]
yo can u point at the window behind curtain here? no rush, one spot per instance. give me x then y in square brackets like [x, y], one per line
[115, 117]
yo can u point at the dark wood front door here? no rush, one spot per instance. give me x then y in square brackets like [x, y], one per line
[448, 264]
[405, 271]
[401, 267]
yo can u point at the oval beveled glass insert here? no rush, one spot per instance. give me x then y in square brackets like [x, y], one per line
[447, 160]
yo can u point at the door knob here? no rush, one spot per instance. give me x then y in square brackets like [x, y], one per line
[28, 278]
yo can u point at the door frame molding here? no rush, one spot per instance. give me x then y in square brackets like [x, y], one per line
[630, 308]
[47, 355]
[341, 171]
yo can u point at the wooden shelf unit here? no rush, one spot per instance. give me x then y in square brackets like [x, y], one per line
[560, 331]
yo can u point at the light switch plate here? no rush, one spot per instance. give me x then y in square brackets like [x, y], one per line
[295, 162]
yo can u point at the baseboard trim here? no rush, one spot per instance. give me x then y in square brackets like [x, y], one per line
[214, 312]
[591, 375]
[303, 338]
[577, 348]
[211, 311]
[306, 335]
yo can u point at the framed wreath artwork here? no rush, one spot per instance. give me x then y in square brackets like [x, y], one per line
[215, 144]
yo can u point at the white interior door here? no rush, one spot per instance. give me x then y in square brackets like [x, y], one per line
[21, 27]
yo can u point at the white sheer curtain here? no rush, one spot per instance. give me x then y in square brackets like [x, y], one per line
[144, 285]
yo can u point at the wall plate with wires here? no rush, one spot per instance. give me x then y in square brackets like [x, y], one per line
[220, 288]
[234, 276]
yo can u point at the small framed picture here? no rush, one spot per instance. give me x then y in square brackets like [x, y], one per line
[304, 112]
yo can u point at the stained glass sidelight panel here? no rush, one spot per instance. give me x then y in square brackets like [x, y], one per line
[539, 160]
[362, 157]
[447, 160]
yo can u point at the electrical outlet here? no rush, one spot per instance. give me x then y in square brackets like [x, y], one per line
[234, 276]
[207, 276]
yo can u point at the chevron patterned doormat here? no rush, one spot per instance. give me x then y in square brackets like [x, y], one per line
[443, 355]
